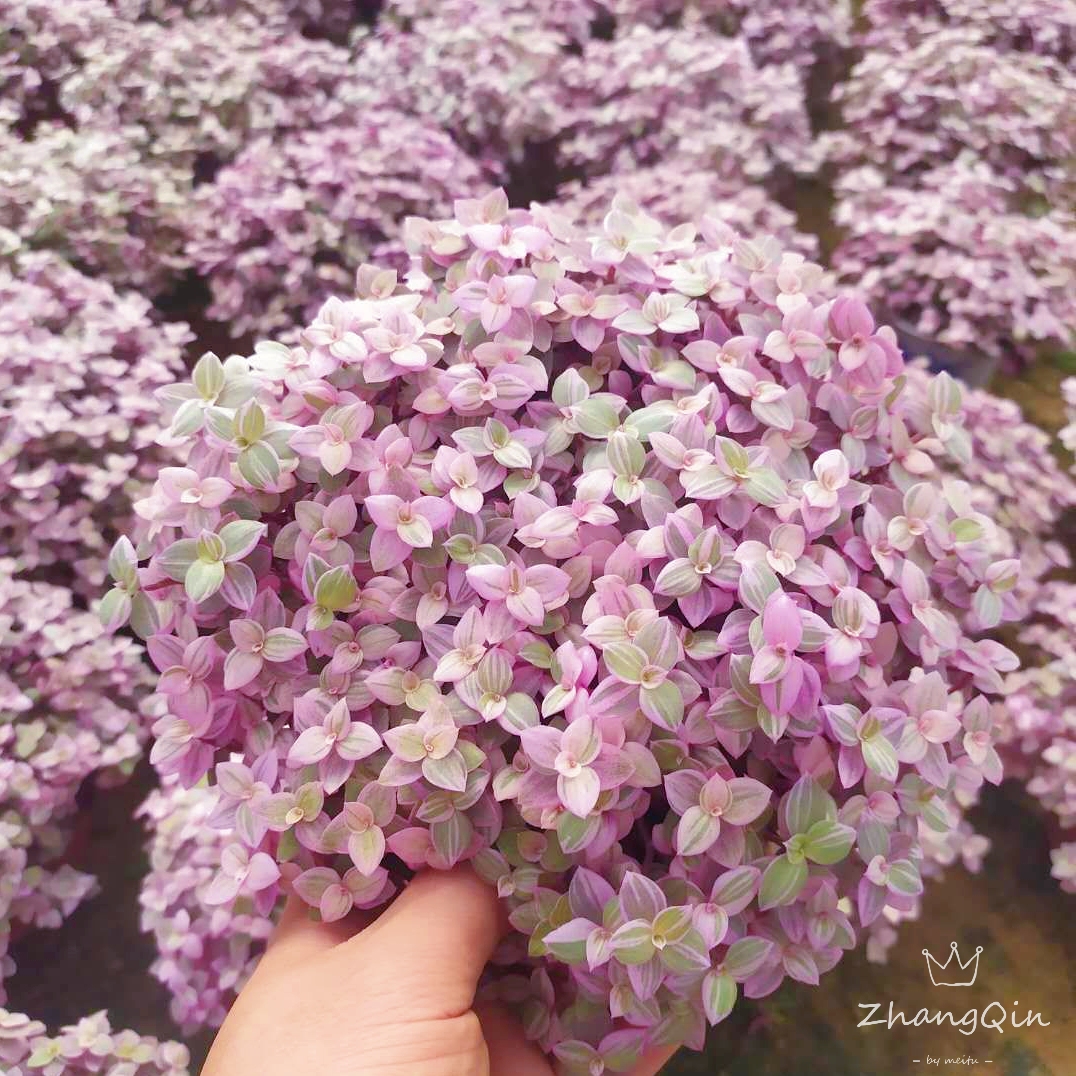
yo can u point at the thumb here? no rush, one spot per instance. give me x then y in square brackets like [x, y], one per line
[437, 937]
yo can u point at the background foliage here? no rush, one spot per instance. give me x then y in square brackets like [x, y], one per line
[152, 208]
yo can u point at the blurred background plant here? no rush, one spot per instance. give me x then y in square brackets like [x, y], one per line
[182, 176]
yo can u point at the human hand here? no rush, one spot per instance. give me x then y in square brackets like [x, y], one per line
[394, 999]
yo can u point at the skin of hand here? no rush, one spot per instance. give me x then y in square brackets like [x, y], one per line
[387, 996]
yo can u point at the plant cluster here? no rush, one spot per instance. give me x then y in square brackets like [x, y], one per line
[281, 161]
[612, 560]
[73, 712]
[953, 257]
[89, 1046]
[92, 198]
[812, 32]
[648, 95]
[672, 192]
[287, 222]
[622, 558]
[1040, 706]
[81, 362]
[205, 952]
[1046, 27]
[954, 192]
[1012, 476]
[287, 156]
[78, 420]
[1040, 745]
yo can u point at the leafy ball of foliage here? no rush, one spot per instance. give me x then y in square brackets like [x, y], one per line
[613, 561]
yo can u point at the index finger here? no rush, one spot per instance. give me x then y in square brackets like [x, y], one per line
[300, 935]
[443, 928]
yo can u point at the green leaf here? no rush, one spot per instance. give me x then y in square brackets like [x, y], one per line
[904, 878]
[449, 773]
[259, 465]
[678, 579]
[188, 418]
[718, 995]
[250, 422]
[701, 645]
[873, 839]
[689, 954]
[627, 457]
[766, 487]
[208, 376]
[739, 678]
[556, 698]
[987, 606]
[707, 483]
[944, 394]
[452, 837]
[220, 423]
[123, 563]
[633, 942]
[241, 536]
[513, 455]
[575, 833]
[672, 924]
[676, 375]
[569, 942]
[436, 807]
[664, 705]
[807, 803]
[520, 712]
[625, 661]
[735, 455]
[966, 530]
[621, 1053]
[282, 644]
[658, 640]
[596, 418]
[145, 616]
[881, 757]
[175, 561]
[210, 547]
[490, 865]
[627, 491]
[336, 589]
[473, 755]
[114, 609]
[746, 956]
[735, 888]
[757, 583]
[487, 553]
[652, 418]
[461, 548]
[204, 579]
[696, 832]
[577, 1056]
[537, 653]
[569, 389]
[28, 737]
[794, 848]
[732, 713]
[44, 1054]
[828, 842]
[782, 882]
[773, 725]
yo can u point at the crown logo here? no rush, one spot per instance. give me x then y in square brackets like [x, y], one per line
[962, 973]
